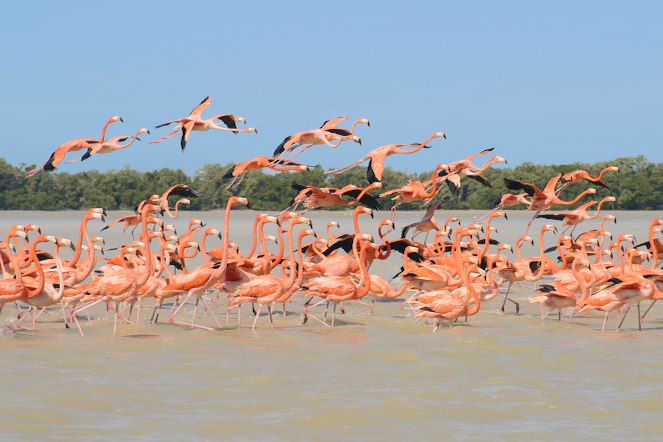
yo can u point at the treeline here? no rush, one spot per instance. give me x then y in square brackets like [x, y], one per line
[638, 186]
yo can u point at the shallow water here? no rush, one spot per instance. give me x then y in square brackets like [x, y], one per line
[377, 376]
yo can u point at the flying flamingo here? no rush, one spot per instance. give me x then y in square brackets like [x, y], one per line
[578, 175]
[111, 145]
[182, 190]
[425, 225]
[72, 146]
[316, 137]
[315, 197]
[510, 199]
[261, 162]
[578, 215]
[376, 158]
[195, 122]
[546, 198]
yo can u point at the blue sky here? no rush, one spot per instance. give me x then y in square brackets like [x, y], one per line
[546, 82]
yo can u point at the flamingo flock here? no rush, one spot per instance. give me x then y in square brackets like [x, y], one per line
[448, 270]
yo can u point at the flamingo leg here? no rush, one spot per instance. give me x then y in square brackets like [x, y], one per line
[619, 327]
[117, 314]
[648, 308]
[255, 320]
[75, 319]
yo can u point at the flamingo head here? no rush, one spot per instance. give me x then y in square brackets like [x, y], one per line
[213, 231]
[33, 227]
[411, 249]
[65, 242]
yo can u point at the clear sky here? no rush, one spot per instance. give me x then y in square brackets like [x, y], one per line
[549, 82]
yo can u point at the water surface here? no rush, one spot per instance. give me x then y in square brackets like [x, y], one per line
[377, 376]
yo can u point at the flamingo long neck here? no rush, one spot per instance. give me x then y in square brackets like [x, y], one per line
[603, 172]
[652, 244]
[416, 149]
[299, 265]
[629, 260]
[395, 294]
[40, 270]
[356, 222]
[487, 165]
[203, 248]
[519, 244]
[281, 251]
[12, 259]
[581, 281]
[542, 250]
[622, 260]
[267, 256]
[470, 293]
[226, 241]
[90, 263]
[82, 232]
[434, 180]
[177, 209]
[290, 281]
[129, 143]
[149, 266]
[58, 263]
[364, 280]
[256, 221]
[487, 239]
[103, 131]
[332, 237]
[578, 198]
[598, 209]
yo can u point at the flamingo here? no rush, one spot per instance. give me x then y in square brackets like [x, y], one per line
[579, 175]
[337, 289]
[203, 278]
[240, 170]
[195, 122]
[120, 285]
[267, 289]
[316, 137]
[578, 215]
[377, 157]
[111, 145]
[72, 146]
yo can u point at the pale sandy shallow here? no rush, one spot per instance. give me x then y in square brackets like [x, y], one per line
[372, 377]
